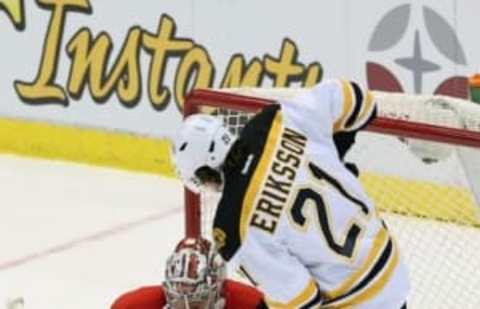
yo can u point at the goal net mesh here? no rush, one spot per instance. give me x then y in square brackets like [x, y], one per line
[427, 190]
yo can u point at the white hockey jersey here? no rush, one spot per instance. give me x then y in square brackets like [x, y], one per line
[295, 220]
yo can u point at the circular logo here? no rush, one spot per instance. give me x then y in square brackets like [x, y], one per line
[390, 32]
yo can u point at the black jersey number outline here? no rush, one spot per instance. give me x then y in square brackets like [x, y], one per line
[305, 195]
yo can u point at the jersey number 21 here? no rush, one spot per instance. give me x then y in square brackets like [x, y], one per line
[307, 195]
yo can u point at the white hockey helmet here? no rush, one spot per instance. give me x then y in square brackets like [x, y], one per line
[203, 140]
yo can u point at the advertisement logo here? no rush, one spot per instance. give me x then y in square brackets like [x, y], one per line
[101, 68]
[435, 30]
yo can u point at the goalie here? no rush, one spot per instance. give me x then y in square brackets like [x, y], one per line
[194, 279]
[292, 214]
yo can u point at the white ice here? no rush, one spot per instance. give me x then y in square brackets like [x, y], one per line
[75, 236]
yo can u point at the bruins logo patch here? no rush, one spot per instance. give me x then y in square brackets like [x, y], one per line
[220, 238]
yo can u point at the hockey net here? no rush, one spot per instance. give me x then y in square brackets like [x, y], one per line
[419, 163]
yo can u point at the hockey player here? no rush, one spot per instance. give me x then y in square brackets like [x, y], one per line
[194, 279]
[292, 213]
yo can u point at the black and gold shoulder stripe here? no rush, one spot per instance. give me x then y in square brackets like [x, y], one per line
[358, 107]
[239, 177]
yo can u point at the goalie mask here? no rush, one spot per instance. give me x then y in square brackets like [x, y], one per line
[200, 151]
[194, 275]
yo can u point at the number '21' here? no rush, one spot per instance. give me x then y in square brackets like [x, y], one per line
[305, 195]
